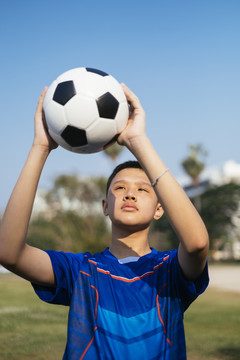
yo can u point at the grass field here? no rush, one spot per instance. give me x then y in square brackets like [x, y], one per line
[31, 329]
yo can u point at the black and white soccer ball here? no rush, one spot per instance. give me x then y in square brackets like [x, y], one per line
[85, 110]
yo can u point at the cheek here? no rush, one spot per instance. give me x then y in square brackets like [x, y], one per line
[149, 208]
[111, 205]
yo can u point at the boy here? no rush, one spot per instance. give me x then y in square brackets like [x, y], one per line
[129, 300]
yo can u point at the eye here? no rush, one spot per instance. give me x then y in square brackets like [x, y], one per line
[119, 187]
[142, 189]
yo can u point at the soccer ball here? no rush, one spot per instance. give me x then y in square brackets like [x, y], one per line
[85, 110]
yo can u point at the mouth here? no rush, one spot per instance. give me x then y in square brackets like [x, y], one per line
[129, 207]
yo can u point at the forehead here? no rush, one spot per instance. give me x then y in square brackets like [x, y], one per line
[131, 175]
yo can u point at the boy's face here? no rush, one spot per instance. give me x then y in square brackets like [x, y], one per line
[131, 201]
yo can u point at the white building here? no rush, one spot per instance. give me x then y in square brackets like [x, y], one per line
[217, 175]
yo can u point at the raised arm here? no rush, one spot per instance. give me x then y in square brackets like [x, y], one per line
[31, 263]
[183, 216]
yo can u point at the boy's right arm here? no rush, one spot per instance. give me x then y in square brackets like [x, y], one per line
[30, 263]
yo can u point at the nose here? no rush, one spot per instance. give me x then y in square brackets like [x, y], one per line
[130, 196]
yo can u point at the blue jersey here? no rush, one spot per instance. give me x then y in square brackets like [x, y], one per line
[132, 310]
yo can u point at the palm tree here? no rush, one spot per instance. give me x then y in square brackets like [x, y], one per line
[113, 151]
[193, 167]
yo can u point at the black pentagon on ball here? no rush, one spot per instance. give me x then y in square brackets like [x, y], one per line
[74, 136]
[96, 71]
[107, 106]
[64, 92]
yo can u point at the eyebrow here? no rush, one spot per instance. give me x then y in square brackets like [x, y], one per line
[137, 182]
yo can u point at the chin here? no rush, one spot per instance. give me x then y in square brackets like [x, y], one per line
[132, 226]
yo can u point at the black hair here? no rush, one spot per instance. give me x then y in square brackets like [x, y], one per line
[131, 164]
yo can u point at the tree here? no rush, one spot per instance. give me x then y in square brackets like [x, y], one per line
[219, 206]
[71, 192]
[162, 235]
[68, 231]
[74, 220]
[113, 151]
[193, 166]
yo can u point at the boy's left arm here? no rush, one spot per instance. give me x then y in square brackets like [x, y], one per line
[181, 213]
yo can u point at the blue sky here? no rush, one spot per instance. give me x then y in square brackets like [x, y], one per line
[181, 57]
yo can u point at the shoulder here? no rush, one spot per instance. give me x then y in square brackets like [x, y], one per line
[167, 256]
[187, 290]
[67, 260]
[66, 267]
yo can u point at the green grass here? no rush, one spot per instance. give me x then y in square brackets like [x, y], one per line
[31, 329]
[212, 326]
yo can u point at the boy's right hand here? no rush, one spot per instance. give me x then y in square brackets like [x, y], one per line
[41, 135]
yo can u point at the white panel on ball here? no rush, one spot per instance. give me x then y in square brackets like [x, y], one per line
[113, 87]
[85, 117]
[56, 118]
[122, 114]
[91, 84]
[71, 74]
[49, 94]
[96, 135]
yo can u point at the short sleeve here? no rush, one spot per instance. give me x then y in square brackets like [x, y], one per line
[188, 291]
[66, 267]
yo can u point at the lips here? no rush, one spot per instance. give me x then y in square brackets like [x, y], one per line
[129, 207]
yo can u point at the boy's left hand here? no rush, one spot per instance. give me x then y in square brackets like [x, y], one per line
[135, 127]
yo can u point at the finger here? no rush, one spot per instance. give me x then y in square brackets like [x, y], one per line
[40, 101]
[131, 97]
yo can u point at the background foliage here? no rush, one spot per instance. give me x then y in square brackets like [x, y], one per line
[73, 218]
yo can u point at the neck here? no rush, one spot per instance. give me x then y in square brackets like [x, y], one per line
[125, 244]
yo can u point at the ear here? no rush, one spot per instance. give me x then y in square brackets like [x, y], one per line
[159, 212]
[105, 207]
